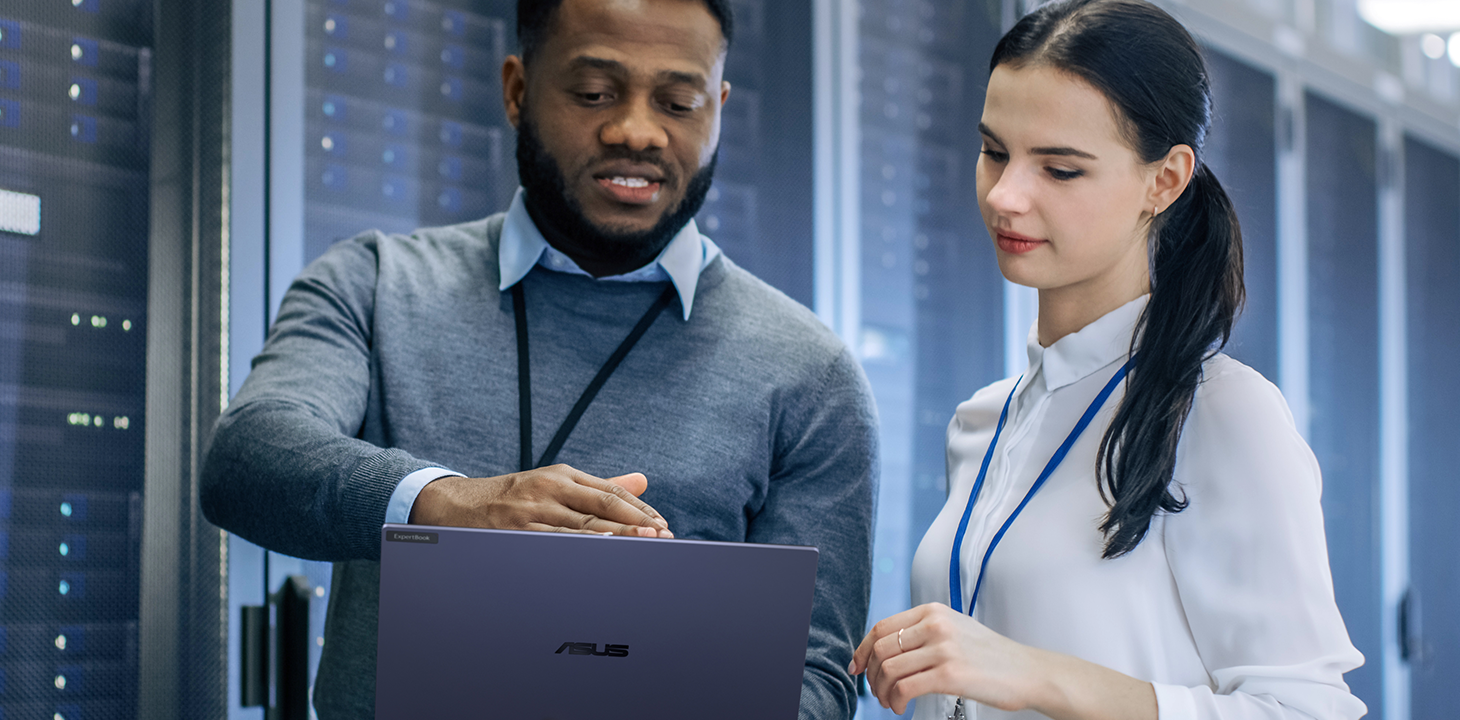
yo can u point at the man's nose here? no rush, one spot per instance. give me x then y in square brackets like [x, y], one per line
[636, 126]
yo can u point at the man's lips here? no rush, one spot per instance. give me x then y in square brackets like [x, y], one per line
[1012, 242]
[630, 190]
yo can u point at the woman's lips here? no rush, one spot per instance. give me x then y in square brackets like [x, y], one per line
[1017, 244]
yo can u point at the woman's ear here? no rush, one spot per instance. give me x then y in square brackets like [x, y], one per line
[1172, 176]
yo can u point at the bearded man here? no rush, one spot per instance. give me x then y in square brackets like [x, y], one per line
[432, 378]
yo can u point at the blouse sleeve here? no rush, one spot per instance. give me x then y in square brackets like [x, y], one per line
[1251, 563]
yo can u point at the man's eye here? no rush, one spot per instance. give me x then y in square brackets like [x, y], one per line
[681, 106]
[593, 97]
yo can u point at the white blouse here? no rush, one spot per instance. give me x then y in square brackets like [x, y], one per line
[1226, 607]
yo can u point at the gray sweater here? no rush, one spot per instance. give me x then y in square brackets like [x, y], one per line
[392, 354]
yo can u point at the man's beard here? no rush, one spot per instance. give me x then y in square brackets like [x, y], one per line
[550, 203]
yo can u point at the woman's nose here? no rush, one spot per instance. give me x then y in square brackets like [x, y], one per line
[1010, 194]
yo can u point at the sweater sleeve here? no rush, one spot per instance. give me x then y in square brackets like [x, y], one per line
[284, 468]
[1251, 565]
[822, 487]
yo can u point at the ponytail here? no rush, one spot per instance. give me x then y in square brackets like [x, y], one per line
[1196, 292]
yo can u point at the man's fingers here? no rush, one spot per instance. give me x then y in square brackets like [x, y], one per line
[635, 483]
[541, 527]
[611, 501]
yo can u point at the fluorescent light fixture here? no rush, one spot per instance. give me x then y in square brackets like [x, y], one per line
[20, 213]
[1407, 17]
[1455, 49]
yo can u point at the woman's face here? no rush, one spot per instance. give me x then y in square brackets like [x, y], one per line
[1067, 202]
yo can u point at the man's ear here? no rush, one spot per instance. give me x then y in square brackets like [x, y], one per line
[514, 87]
[724, 93]
[1172, 176]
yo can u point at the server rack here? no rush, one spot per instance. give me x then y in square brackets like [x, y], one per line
[74, 124]
[108, 331]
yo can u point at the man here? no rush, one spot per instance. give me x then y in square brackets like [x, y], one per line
[430, 378]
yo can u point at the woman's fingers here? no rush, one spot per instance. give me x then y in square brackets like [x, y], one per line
[897, 664]
[931, 679]
[890, 625]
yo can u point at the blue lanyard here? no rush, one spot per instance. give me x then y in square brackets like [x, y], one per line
[955, 582]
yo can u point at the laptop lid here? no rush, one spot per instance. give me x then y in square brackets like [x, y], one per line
[547, 626]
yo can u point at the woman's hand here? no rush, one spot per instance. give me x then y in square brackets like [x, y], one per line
[949, 653]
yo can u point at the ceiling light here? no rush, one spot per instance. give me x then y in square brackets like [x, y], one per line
[1407, 17]
[1433, 46]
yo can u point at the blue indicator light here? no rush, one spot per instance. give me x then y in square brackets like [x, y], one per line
[9, 35]
[450, 167]
[335, 107]
[449, 199]
[451, 88]
[64, 588]
[9, 113]
[334, 177]
[393, 155]
[450, 133]
[394, 122]
[396, 74]
[9, 75]
[453, 22]
[66, 509]
[335, 59]
[83, 129]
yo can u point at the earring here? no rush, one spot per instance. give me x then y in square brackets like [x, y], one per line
[1155, 210]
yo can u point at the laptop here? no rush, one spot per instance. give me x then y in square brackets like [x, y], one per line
[548, 626]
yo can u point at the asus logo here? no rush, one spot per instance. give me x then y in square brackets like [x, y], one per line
[592, 649]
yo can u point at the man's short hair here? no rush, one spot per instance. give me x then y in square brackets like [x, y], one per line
[535, 20]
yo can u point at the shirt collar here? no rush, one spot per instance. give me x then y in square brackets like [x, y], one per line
[1079, 354]
[522, 246]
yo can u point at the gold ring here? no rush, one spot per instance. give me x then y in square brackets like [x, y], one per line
[899, 640]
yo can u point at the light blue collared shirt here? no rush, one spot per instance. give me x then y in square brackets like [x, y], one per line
[522, 247]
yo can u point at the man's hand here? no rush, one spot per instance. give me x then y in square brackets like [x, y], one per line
[550, 499]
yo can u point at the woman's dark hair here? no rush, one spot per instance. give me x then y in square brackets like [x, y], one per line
[535, 20]
[1151, 71]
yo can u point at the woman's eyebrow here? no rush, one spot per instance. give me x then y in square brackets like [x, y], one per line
[1059, 151]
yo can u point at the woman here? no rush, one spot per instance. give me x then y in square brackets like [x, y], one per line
[1133, 524]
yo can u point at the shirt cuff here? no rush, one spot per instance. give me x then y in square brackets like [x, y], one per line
[1174, 702]
[404, 497]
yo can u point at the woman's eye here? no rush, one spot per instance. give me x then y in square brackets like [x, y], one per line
[1058, 174]
[995, 155]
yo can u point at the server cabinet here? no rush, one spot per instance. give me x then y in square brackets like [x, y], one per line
[1429, 631]
[99, 411]
[1343, 302]
[73, 318]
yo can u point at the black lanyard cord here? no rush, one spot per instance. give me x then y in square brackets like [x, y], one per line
[524, 377]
